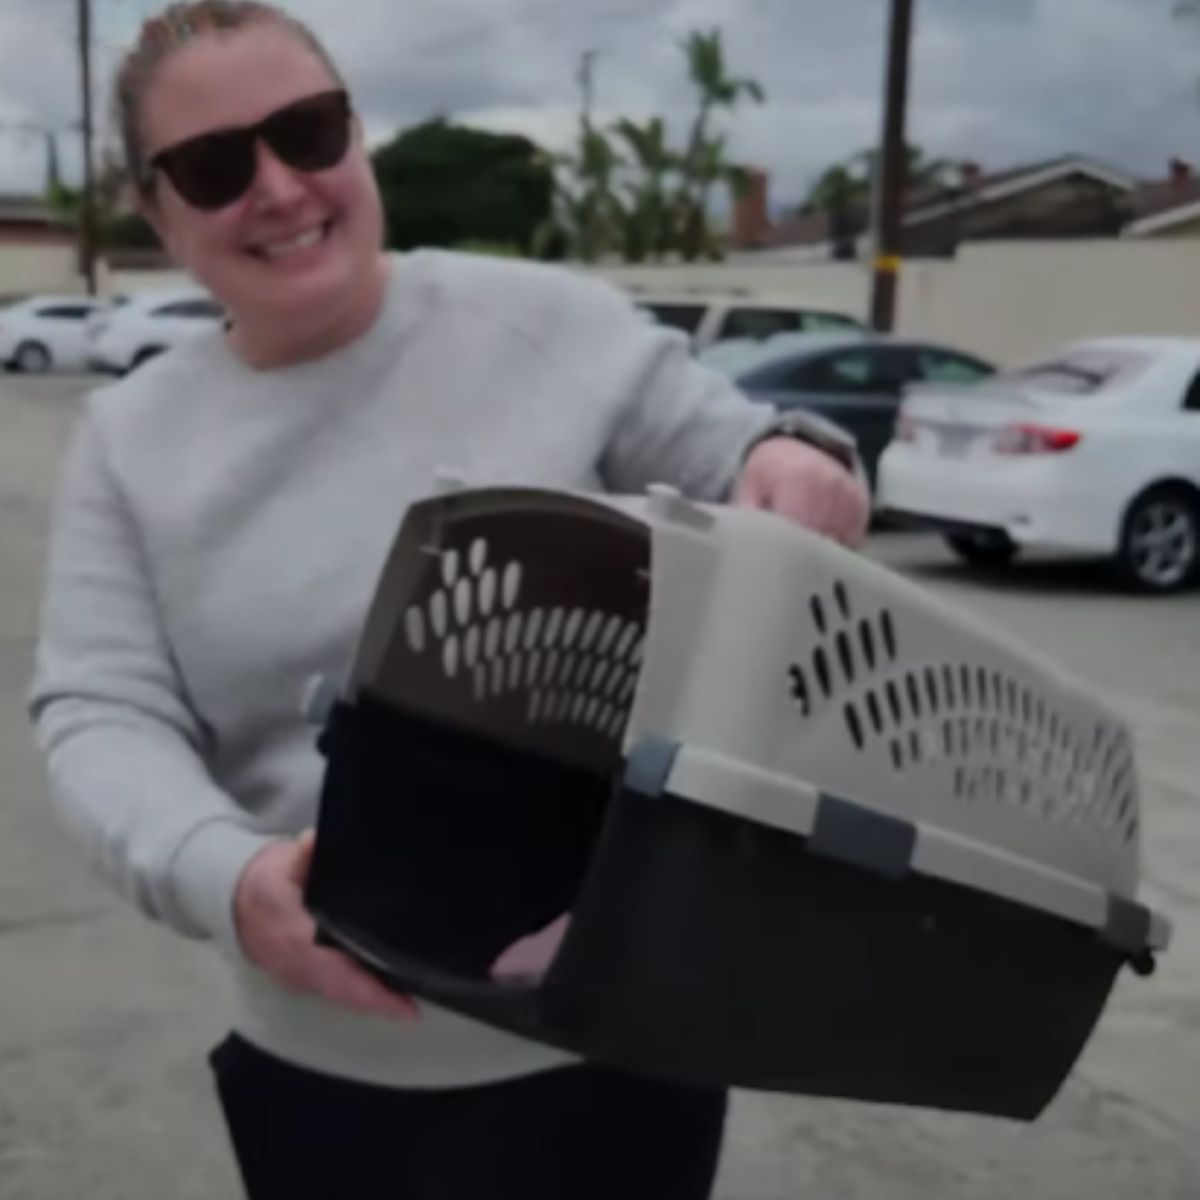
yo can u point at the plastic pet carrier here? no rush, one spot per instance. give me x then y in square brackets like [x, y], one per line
[782, 820]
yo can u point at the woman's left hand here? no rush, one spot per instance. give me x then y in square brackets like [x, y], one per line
[806, 485]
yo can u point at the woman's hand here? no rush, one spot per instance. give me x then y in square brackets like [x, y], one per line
[807, 485]
[277, 935]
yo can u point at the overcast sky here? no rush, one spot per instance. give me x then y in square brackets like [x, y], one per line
[997, 81]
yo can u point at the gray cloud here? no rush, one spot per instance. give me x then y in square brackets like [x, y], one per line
[999, 81]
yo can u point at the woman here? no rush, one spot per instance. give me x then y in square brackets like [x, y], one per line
[221, 520]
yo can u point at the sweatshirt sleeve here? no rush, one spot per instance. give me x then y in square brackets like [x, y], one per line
[675, 420]
[123, 749]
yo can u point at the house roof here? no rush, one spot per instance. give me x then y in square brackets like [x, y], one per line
[28, 210]
[931, 202]
[1163, 205]
[1001, 184]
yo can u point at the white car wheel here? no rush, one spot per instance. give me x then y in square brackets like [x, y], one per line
[32, 358]
[1160, 548]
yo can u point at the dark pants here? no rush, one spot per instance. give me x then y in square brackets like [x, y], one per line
[575, 1133]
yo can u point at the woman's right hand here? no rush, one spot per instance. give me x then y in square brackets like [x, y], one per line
[278, 935]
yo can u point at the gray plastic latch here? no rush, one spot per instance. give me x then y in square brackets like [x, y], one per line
[648, 766]
[863, 838]
[1128, 925]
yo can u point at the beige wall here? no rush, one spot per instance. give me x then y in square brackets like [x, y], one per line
[1016, 300]
[1007, 300]
[840, 286]
[33, 268]
[125, 282]
[26, 270]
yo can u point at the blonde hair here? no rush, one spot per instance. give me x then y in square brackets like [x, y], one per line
[174, 28]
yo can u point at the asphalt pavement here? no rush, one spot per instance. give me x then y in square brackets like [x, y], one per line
[105, 1019]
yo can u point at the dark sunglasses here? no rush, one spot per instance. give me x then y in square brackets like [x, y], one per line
[217, 168]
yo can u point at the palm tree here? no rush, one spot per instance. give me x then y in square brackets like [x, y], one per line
[849, 183]
[843, 191]
[649, 227]
[600, 211]
[589, 214]
[842, 187]
[705, 55]
[712, 168]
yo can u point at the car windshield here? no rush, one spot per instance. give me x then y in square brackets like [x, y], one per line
[1080, 372]
[732, 356]
[684, 317]
[746, 355]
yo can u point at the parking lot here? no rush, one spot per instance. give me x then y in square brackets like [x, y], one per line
[104, 1019]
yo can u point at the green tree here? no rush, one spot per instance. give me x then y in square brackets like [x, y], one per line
[589, 216]
[127, 231]
[447, 185]
[649, 227]
[64, 201]
[843, 191]
[849, 183]
[703, 162]
[599, 214]
[117, 227]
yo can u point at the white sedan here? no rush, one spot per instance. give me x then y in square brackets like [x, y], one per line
[48, 333]
[1095, 449]
[148, 324]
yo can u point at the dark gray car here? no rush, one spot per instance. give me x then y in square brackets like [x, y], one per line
[856, 381]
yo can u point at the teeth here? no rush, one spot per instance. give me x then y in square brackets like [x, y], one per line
[304, 241]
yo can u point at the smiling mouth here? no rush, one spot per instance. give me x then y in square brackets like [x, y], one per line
[284, 248]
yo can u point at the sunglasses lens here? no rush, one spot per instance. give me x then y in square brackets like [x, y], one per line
[312, 135]
[211, 172]
[216, 169]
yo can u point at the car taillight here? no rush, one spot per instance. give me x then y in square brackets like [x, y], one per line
[1035, 439]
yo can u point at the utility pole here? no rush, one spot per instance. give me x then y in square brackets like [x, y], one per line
[587, 84]
[891, 171]
[53, 173]
[87, 208]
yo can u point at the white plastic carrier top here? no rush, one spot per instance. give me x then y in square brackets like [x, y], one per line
[785, 680]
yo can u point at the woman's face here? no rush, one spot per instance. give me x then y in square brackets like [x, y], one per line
[297, 247]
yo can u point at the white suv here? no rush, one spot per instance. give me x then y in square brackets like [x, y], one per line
[148, 324]
[711, 318]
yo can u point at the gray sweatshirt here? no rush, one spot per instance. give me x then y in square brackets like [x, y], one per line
[218, 535]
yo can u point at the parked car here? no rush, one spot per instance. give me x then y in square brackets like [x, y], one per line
[708, 319]
[47, 333]
[734, 356]
[1095, 449]
[856, 380]
[148, 324]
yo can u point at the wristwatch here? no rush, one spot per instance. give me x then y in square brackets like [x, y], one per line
[816, 431]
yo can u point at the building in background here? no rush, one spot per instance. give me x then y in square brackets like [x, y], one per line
[1071, 197]
[29, 221]
[1169, 208]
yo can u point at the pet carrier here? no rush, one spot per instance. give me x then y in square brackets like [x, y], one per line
[811, 829]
